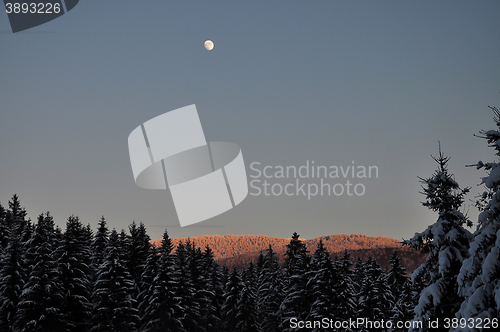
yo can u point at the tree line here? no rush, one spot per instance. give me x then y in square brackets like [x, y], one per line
[80, 280]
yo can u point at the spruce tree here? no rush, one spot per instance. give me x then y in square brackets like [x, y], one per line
[74, 267]
[446, 241]
[12, 280]
[247, 317]
[160, 306]
[344, 288]
[479, 278]
[375, 299]
[39, 307]
[322, 280]
[270, 292]
[99, 244]
[113, 293]
[215, 290]
[138, 252]
[232, 292]
[185, 289]
[298, 298]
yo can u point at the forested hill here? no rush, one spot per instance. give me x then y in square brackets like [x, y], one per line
[238, 250]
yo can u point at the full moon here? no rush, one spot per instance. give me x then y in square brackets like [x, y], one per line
[209, 45]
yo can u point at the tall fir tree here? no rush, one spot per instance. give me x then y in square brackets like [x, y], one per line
[247, 316]
[74, 267]
[12, 280]
[322, 279]
[446, 241]
[99, 244]
[115, 308]
[270, 291]
[185, 289]
[138, 252]
[479, 278]
[39, 307]
[232, 292]
[215, 290]
[375, 299]
[160, 308]
[298, 298]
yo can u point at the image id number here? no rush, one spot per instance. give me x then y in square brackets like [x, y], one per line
[33, 8]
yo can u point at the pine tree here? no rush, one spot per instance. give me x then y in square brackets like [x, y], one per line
[247, 314]
[479, 278]
[138, 252]
[12, 279]
[215, 291]
[344, 288]
[185, 289]
[446, 241]
[401, 290]
[298, 299]
[160, 307]
[99, 244]
[113, 293]
[232, 292]
[39, 307]
[74, 267]
[375, 299]
[199, 280]
[270, 292]
[4, 229]
[396, 276]
[322, 278]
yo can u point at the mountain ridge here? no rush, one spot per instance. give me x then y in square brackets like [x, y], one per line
[237, 250]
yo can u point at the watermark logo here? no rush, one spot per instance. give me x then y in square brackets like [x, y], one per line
[26, 14]
[205, 179]
[310, 180]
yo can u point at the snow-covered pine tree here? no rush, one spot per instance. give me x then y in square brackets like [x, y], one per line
[185, 290]
[99, 244]
[375, 300]
[138, 252]
[160, 307]
[344, 288]
[147, 281]
[15, 230]
[12, 279]
[446, 241]
[322, 281]
[39, 307]
[298, 299]
[270, 292]
[74, 267]
[396, 276]
[4, 229]
[479, 278]
[215, 290]
[401, 290]
[114, 308]
[199, 280]
[232, 292]
[247, 316]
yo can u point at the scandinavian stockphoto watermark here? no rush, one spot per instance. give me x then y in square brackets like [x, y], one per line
[310, 179]
[205, 179]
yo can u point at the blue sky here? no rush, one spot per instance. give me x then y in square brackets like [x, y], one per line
[375, 82]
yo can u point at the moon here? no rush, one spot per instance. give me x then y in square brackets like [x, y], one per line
[209, 45]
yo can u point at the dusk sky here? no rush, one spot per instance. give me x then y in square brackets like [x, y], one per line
[377, 83]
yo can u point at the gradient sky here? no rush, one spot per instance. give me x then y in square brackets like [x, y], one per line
[375, 82]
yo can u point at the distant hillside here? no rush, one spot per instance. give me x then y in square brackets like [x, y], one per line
[238, 250]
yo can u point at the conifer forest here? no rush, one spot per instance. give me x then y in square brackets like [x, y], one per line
[86, 279]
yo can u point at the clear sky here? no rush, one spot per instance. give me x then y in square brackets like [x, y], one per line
[374, 82]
